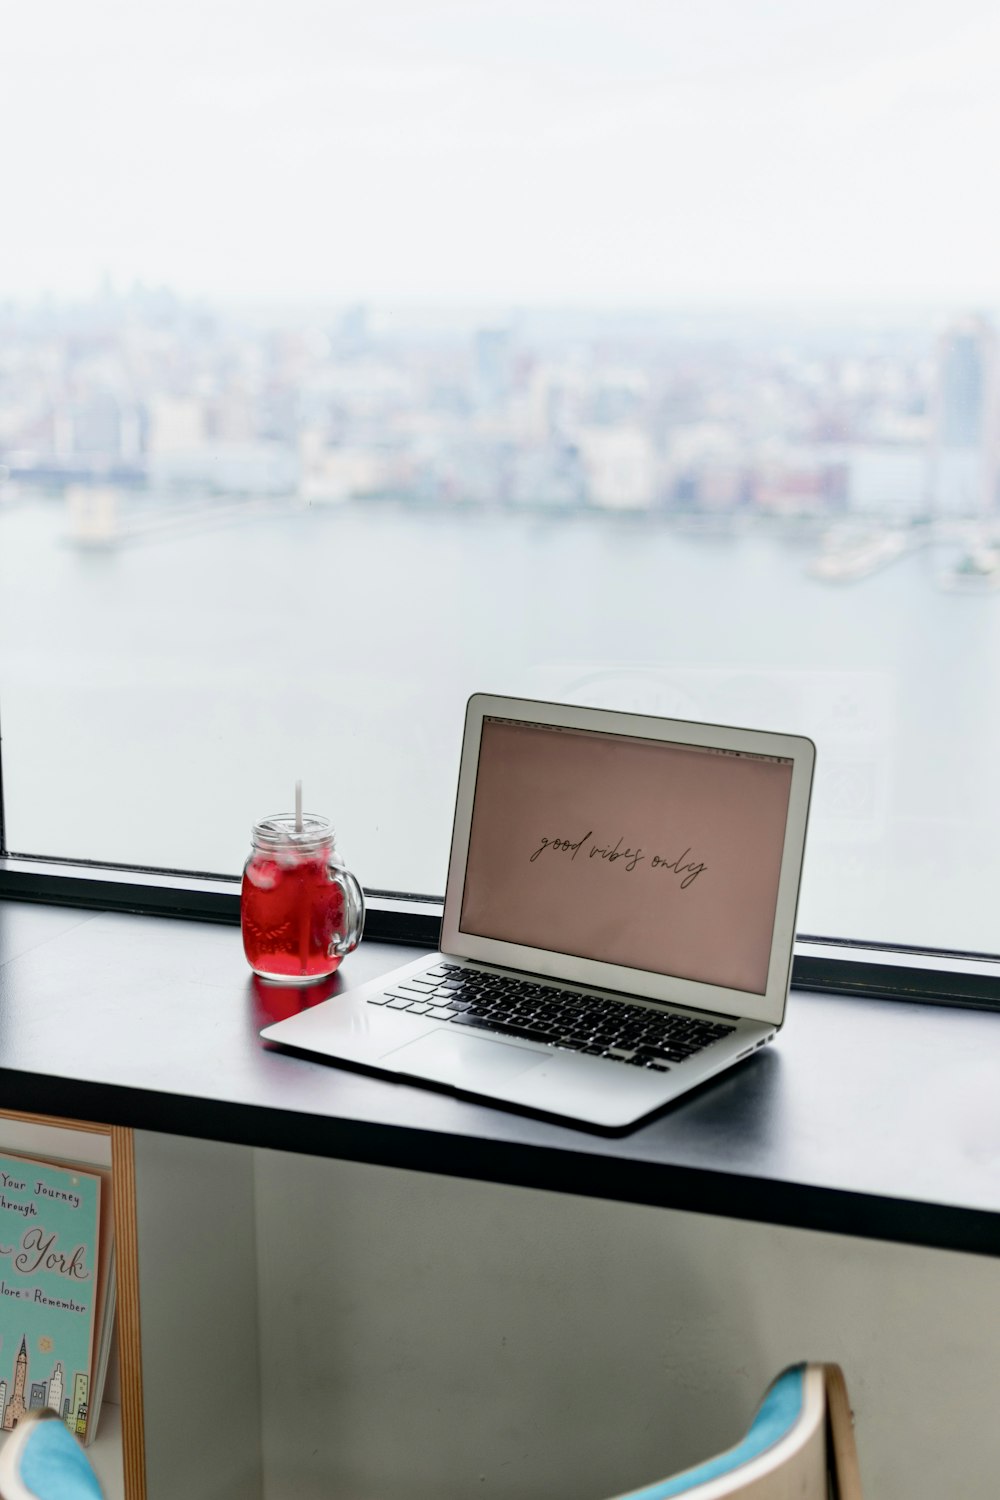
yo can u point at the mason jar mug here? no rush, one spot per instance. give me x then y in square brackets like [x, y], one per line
[301, 909]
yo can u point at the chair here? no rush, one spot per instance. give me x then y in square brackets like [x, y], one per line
[800, 1446]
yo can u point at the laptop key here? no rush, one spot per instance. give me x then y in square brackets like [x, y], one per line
[442, 1013]
[379, 999]
[400, 1002]
[485, 1023]
[419, 1008]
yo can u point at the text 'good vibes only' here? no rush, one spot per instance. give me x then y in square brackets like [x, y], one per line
[689, 870]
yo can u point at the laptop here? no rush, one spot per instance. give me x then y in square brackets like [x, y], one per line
[618, 923]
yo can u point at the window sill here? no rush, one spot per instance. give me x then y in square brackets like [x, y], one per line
[865, 1118]
[823, 965]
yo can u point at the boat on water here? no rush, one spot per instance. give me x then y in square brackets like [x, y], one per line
[977, 571]
[94, 522]
[844, 560]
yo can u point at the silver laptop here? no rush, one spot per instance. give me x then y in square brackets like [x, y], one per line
[619, 917]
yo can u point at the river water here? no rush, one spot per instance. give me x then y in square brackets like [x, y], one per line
[161, 694]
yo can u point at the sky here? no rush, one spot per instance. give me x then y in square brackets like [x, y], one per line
[600, 152]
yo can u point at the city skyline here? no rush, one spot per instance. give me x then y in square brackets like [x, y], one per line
[675, 414]
[50, 1392]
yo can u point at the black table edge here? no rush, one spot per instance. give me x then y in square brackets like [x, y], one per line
[552, 1169]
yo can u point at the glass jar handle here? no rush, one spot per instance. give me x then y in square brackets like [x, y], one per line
[342, 943]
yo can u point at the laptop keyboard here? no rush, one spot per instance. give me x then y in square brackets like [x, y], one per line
[537, 1012]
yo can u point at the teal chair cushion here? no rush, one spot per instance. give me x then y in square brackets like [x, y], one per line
[54, 1466]
[778, 1414]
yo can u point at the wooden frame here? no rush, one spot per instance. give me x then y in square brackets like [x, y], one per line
[122, 1148]
[842, 1454]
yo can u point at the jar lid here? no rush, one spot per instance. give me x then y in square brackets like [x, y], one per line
[279, 832]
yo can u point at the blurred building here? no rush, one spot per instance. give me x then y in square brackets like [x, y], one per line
[332, 473]
[619, 467]
[493, 364]
[962, 457]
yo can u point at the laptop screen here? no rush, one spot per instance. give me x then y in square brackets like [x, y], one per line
[652, 855]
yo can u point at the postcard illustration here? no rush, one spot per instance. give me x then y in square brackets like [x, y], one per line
[49, 1217]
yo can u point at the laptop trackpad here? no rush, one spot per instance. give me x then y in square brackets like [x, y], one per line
[463, 1061]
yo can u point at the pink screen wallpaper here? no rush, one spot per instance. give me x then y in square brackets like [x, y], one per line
[659, 857]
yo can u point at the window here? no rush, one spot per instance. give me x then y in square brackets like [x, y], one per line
[353, 359]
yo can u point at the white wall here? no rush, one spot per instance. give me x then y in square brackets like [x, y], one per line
[427, 1337]
[198, 1312]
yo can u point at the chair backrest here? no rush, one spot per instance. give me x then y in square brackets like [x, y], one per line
[800, 1446]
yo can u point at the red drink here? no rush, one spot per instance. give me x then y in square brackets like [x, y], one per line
[300, 910]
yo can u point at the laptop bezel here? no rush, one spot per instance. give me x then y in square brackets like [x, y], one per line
[768, 1007]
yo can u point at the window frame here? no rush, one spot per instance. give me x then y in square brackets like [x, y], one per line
[833, 966]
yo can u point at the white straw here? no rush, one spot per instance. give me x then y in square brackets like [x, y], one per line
[298, 807]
